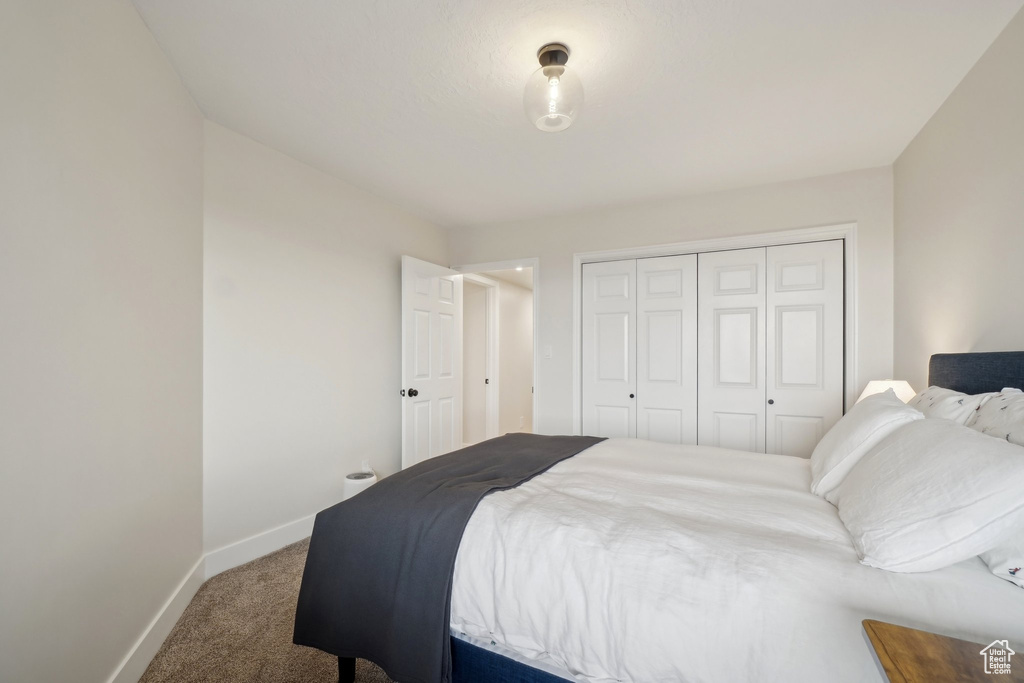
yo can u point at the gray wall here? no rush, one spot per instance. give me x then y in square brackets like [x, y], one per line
[864, 197]
[515, 403]
[302, 335]
[101, 330]
[959, 215]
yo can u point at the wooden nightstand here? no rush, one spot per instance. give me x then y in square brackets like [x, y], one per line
[907, 655]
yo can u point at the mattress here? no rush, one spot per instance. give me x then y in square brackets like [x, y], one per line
[650, 562]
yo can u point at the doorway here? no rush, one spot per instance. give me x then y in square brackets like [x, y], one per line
[498, 353]
[432, 353]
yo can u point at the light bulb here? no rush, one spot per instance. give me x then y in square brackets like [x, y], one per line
[553, 97]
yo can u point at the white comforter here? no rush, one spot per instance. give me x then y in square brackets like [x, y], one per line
[637, 561]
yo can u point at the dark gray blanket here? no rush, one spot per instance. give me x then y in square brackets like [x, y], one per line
[378, 577]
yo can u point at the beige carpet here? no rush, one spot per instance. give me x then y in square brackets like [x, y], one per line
[238, 627]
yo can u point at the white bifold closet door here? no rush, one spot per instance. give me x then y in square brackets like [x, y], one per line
[666, 349]
[609, 349]
[804, 373]
[640, 349]
[731, 349]
[770, 346]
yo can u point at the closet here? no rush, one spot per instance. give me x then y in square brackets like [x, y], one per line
[740, 349]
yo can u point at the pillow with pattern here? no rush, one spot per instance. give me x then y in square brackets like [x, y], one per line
[1006, 560]
[948, 404]
[1002, 416]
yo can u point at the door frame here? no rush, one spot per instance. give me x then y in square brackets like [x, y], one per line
[844, 231]
[534, 264]
[492, 366]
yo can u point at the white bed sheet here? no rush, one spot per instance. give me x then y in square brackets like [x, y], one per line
[638, 561]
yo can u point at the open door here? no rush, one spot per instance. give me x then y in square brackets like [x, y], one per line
[431, 360]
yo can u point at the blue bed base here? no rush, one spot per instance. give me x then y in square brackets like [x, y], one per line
[472, 664]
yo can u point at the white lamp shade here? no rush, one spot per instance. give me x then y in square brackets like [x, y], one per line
[904, 391]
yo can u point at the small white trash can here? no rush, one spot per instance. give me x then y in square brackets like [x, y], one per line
[356, 482]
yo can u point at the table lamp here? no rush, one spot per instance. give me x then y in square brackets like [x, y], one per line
[903, 390]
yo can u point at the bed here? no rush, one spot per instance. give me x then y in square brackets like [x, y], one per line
[639, 561]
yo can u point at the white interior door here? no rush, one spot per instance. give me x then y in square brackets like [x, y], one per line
[731, 349]
[431, 360]
[666, 332]
[805, 345]
[609, 349]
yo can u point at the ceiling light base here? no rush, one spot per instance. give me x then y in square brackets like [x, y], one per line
[553, 54]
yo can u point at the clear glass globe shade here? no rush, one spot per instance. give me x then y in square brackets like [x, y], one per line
[553, 98]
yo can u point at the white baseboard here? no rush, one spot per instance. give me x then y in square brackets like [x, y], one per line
[134, 664]
[212, 563]
[248, 549]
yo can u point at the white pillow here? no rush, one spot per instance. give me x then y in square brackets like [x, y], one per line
[1002, 416]
[867, 423]
[948, 404]
[1006, 560]
[931, 494]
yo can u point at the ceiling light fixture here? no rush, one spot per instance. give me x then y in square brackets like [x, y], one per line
[554, 94]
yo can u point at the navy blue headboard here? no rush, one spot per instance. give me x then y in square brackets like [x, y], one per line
[977, 373]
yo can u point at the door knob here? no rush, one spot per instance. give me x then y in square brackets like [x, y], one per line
[631, 395]
[413, 392]
[771, 401]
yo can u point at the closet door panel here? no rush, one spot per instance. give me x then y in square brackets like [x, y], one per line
[805, 344]
[612, 353]
[795, 434]
[609, 348]
[666, 390]
[739, 431]
[731, 349]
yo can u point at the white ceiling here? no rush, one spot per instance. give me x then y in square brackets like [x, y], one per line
[420, 102]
